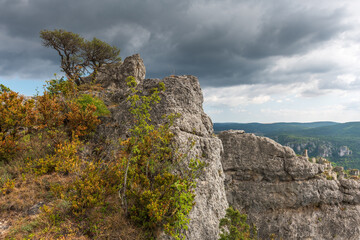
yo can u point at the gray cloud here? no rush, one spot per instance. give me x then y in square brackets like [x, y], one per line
[224, 43]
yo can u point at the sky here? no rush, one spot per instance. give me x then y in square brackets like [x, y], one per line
[256, 60]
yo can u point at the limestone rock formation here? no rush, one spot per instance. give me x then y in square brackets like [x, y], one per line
[319, 148]
[344, 151]
[286, 195]
[182, 95]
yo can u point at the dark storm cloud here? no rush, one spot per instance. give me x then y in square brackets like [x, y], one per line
[224, 43]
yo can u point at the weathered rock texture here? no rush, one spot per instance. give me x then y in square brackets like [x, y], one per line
[182, 95]
[284, 194]
[319, 148]
[287, 195]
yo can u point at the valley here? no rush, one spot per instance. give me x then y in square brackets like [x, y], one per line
[338, 142]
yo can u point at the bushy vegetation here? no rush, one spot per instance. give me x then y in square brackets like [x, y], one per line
[147, 187]
[42, 136]
[51, 158]
[16, 115]
[152, 194]
[234, 227]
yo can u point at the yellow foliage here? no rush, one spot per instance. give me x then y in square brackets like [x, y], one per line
[16, 114]
[7, 186]
[82, 122]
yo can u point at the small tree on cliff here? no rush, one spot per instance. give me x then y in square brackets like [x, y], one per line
[97, 53]
[68, 45]
[77, 54]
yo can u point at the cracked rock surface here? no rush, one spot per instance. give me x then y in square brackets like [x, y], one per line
[182, 95]
[287, 195]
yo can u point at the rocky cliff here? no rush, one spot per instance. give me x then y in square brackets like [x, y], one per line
[182, 95]
[285, 195]
[320, 148]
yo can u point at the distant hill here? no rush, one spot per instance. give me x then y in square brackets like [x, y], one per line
[271, 128]
[350, 129]
[339, 142]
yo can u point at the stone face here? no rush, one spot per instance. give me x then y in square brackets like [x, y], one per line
[285, 194]
[315, 223]
[112, 78]
[319, 148]
[344, 151]
[259, 158]
[182, 95]
[117, 73]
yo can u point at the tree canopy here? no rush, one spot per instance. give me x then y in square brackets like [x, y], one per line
[77, 54]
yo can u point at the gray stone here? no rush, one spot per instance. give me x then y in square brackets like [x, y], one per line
[305, 154]
[285, 194]
[182, 95]
[344, 151]
[338, 169]
[354, 172]
[322, 160]
[36, 208]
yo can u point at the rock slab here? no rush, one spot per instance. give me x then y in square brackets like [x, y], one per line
[285, 195]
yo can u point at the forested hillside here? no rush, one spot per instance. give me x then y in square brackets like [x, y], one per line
[338, 142]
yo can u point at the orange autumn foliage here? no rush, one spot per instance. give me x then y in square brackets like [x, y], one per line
[16, 116]
[82, 121]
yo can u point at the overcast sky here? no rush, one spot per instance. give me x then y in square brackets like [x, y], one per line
[257, 60]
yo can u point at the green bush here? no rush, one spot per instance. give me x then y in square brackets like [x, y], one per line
[60, 86]
[3, 88]
[85, 100]
[234, 227]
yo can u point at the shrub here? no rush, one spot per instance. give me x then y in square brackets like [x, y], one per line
[79, 115]
[16, 115]
[65, 160]
[7, 186]
[89, 189]
[50, 109]
[234, 227]
[85, 100]
[61, 86]
[82, 121]
[4, 88]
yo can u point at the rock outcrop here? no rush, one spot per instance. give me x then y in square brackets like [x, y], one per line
[319, 148]
[286, 195]
[182, 95]
[344, 151]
